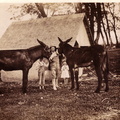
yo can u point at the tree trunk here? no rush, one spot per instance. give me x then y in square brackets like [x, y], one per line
[41, 9]
[105, 33]
[78, 7]
[103, 38]
[98, 18]
[111, 43]
[92, 14]
[89, 10]
[113, 24]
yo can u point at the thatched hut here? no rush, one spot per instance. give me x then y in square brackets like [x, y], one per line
[23, 34]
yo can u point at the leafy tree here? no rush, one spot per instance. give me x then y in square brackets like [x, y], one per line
[41, 9]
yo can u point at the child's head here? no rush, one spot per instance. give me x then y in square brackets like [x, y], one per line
[53, 48]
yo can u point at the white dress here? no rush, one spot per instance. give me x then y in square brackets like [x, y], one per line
[65, 71]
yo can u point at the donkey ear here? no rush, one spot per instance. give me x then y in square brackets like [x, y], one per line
[60, 40]
[68, 40]
[41, 43]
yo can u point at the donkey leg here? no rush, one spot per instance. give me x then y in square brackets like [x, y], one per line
[105, 73]
[99, 75]
[105, 70]
[0, 76]
[76, 78]
[25, 80]
[72, 79]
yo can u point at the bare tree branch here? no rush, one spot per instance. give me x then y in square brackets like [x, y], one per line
[41, 9]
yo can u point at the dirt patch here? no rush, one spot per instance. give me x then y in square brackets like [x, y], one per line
[62, 104]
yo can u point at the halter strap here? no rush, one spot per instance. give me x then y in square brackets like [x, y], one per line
[46, 48]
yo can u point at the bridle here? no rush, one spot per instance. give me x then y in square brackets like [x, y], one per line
[46, 48]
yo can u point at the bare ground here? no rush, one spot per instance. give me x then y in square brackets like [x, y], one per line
[62, 104]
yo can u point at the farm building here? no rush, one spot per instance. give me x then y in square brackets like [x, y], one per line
[24, 34]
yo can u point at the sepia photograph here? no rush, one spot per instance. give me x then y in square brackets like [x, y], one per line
[59, 60]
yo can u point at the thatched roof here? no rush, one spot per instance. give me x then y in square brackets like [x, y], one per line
[23, 34]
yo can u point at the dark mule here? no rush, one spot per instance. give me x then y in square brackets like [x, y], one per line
[22, 59]
[83, 57]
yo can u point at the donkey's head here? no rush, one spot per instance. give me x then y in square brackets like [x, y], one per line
[63, 45]
[45, 49]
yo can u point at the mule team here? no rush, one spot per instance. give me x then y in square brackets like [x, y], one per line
[23, 59]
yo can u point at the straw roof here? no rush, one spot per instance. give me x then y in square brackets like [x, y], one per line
[23, 34]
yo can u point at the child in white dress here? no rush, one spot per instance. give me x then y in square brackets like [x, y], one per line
[65, 72]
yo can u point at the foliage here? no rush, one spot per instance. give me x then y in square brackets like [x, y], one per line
[36, 9]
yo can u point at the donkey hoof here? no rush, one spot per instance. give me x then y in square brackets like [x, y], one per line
[72, 88]
[106, 90]
[77, 89]
[97, 91]
[24, 92]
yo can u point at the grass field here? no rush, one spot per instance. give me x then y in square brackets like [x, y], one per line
[62, 104]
